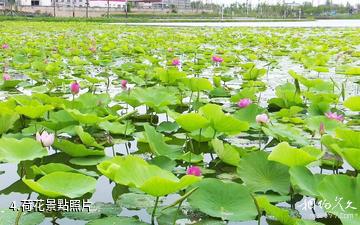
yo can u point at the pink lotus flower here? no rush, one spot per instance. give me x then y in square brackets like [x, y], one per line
[334, 116]
[5, 46]
[75, 88]
[245, 102]
[123, 84]
[217, 59]
[176, 62]
[262, 119]
[93, 49]
[194, 170]
[45, 138]
[322, 129]
[6, 76]
[170, 49]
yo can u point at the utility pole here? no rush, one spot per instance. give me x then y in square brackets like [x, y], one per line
[87, 8]
[222, 12]
[247, 7]
[73, 8]
[108, 9]
[54, 5]
[126, 9]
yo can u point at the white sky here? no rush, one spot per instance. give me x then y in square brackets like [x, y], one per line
[255, 2]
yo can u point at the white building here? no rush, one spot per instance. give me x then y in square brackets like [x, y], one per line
[179, 4]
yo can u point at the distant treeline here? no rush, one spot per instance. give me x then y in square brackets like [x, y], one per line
[291, 10]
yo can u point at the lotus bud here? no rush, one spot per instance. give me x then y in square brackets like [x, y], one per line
[194, 170]
[45, 138]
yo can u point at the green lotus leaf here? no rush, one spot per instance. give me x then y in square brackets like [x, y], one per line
[136, 201]
[286, 133]
[341, 192]
[253, 73]
[9, 84]
[57, 184]
[282, 215]
[34, 110]
[13, 150]
[97, 210]
[234, 204]
[117, 128]
[158, 145]
[303, 181]
[116, 220]
[90, 102]
[260, 174]
[349, 138]
[89, 160]
[169, 76]
[9, 216]
[198, 84]
[55, 167]
[313, 123]
[7, 119]
[167, 127]
[353, 103]
[76, 150]
[352, 156]
[226, 152]
[244, 93]
[222, 122]
[86, 118]
[86, 138]
[155, 97]
[290, 156]
[149, 178]
[249, 114]
[192, 121]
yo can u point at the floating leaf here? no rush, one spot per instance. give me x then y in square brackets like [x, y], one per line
[228, 201]
[13, 150]
[148, 178]
[290, 156]
[260, 174]
[57, 184]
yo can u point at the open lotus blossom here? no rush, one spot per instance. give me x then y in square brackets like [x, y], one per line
[217, 59]
[245, 102]
[5, 46]
[124, 83]
[45, 138]
[176, 62]
[334, 116]
[262, 119]
[194, 170]
[6, 76]
[170, 49]
[75, 88]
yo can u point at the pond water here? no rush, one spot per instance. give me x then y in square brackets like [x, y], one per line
[316, 23]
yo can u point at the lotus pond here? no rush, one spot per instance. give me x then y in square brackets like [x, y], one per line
[151, 125]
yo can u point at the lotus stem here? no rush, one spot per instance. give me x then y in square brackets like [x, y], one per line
[177, 213]
[154, 211]
[200, 137]
[258, 209]
[260, 139]
[107, 84]
[18, 216]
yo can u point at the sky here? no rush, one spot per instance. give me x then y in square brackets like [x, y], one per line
[254, 2]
